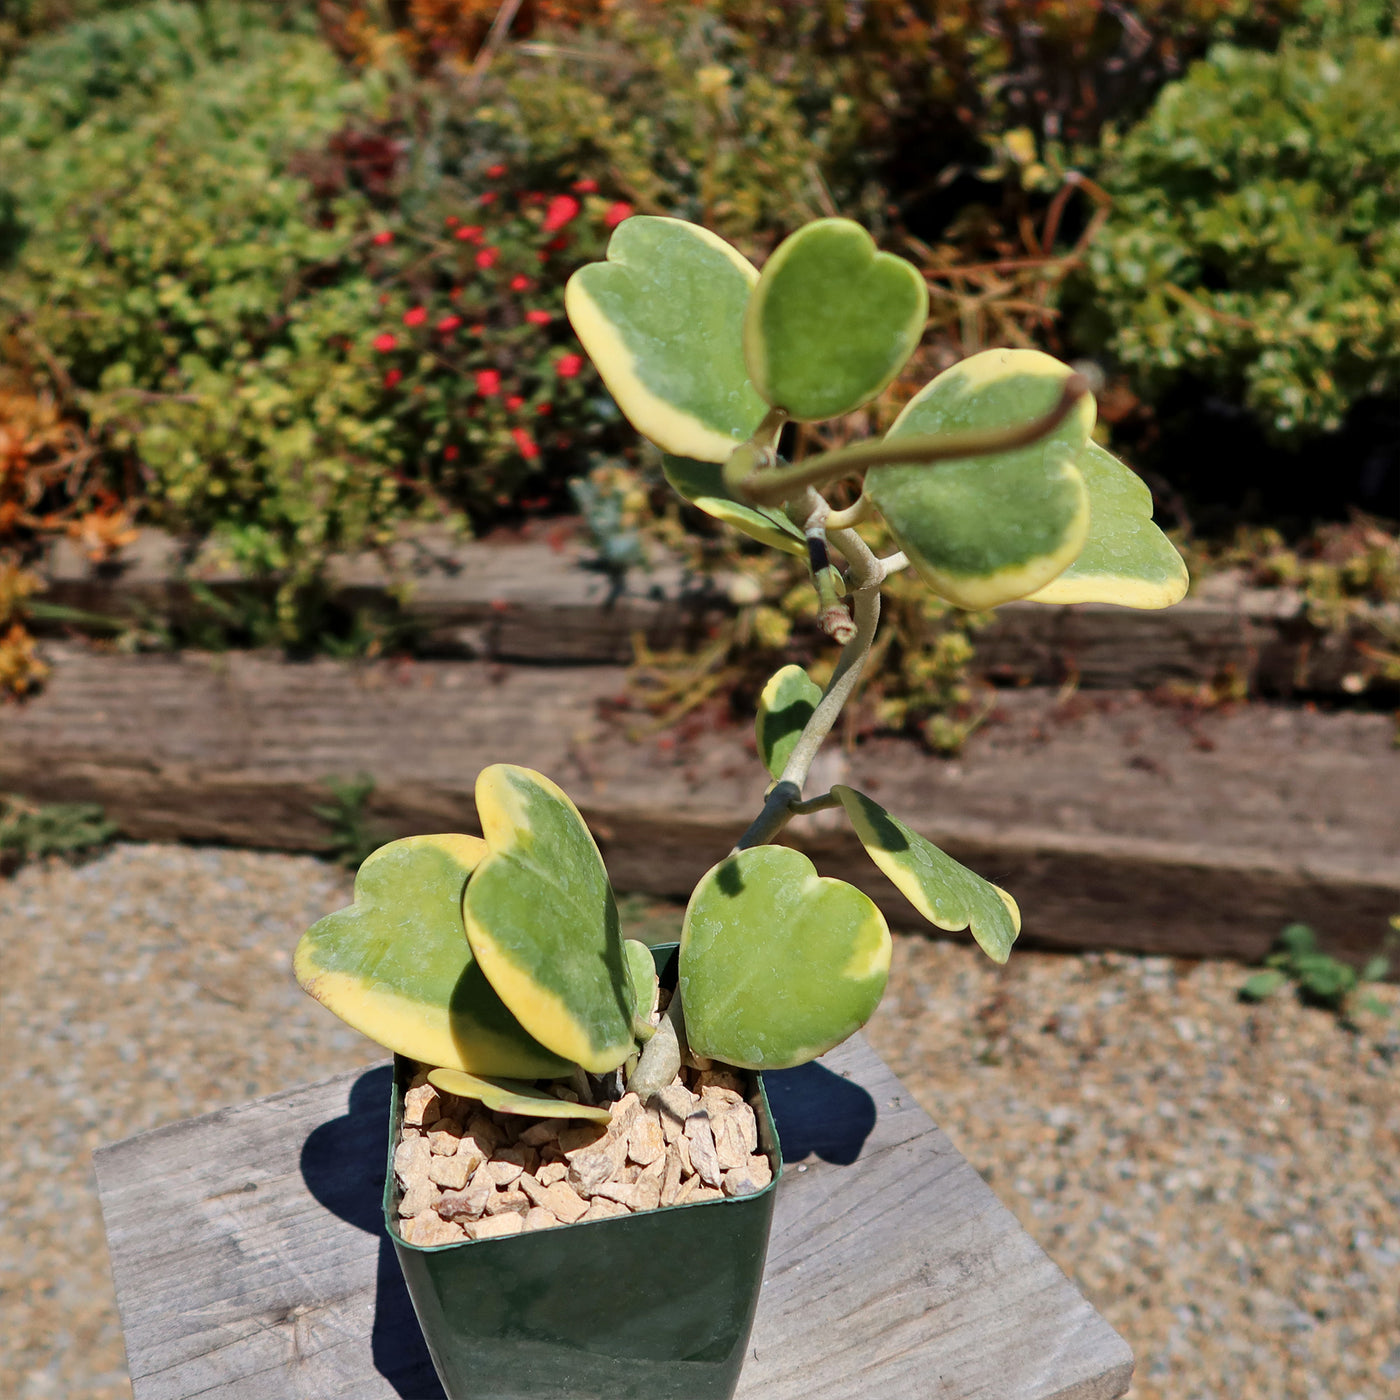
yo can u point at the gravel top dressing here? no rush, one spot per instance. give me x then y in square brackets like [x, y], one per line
[1222, 1180]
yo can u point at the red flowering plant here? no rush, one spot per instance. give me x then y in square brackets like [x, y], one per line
[479, 369]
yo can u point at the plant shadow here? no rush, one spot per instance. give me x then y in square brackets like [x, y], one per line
[818, 1113]
[342, 1164]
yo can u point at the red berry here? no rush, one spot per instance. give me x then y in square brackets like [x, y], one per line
[538, 318]
[486, 258]
[567, 366]
[514, 402]
[392, 378]
[585, 187]
[494, 172]
[617, 213]
[448, 324]
[488, 198]
[386, 342]
[488, 382]
[450, 453]
[562, 210]
[415, 315]
[525, 443]
[382, 239]
[520, 283]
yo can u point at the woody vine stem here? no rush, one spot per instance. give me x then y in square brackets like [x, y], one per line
[754, 475]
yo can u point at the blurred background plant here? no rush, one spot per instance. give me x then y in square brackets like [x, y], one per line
[289, 275]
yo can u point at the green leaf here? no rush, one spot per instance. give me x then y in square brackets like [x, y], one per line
[784, 707]
[663, 320]
[777, 964]
[1126, 559]
[831, 321]
[513, 1096]
[984, 530]
[946, 893]
[542, 922]
[642, 983]
[1263, 985]
[1298, 939]
[702, 484]
[396, 964]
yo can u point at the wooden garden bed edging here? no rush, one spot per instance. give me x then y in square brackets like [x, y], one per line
[539, 601]
[251, 1261]
[1116, 823]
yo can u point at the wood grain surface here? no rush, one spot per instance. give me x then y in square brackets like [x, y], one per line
[542, 600]
[250, 1262]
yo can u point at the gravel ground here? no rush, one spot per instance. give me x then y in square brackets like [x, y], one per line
[1222, 1181]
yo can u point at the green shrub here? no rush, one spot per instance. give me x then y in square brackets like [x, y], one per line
[1254, 245]
[290, 361]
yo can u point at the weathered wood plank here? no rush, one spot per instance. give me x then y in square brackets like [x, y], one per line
[1116, 823]
[250, 1263]
[540, 601]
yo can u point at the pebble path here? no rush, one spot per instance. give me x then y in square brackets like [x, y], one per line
[1223, 1181]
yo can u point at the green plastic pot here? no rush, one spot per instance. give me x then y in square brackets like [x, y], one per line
[653, 1306]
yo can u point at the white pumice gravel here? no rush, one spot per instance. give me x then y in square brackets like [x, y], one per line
[1223, 1181]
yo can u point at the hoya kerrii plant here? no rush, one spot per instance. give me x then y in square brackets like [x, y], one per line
[499, 960]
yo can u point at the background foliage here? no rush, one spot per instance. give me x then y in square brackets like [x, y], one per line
[285, 274]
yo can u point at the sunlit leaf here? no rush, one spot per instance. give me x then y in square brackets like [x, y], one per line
[1126, 559]
[984, 530]
[542, 922]
[946, 893]
[663, 319]
[831, 321]
[777, 964]
[396, 964]
[784, 707]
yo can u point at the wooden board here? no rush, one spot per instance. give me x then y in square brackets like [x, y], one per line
[542, 601]
[1116, 823]
[251, 1264]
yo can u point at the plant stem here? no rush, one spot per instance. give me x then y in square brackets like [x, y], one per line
[773, 487]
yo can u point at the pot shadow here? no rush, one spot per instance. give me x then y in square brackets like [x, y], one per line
[819, 1113]
[342, 1164]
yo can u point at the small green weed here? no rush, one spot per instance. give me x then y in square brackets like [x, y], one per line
[1321, 979]
[29, 831]
[353, 837]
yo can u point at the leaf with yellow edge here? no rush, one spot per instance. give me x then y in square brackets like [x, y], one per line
[397, 967]
[1126, 559]
[662, 319]
[946, 893]
[984, 530]
[785, 705]
[513, 1096]
[702, 484]
[542, 921]
[778, 964]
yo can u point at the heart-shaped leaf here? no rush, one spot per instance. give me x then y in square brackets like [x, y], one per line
[662, 319]
[778, 964]
[642, 982]
[702, 484]
[831, 321]
[1126, 559]
[984, 530]
[396, 964]
[542, 921]
[784, 707]
[513, 1096]
[947, 894]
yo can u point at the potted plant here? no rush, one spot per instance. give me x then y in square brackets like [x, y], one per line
[552, 1073]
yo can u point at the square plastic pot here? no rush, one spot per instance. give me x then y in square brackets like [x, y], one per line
[652, 1306]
